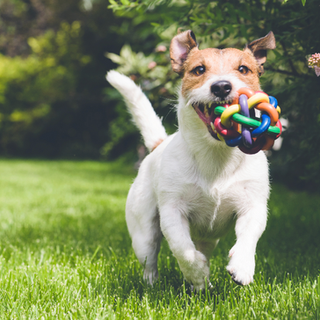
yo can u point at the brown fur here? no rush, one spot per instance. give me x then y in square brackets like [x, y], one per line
[186, 56]
[219, 62]
[157, 144]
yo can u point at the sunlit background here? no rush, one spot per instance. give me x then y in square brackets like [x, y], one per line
[56, 104]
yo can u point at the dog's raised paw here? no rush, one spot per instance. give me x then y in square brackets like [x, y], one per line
[241, 265]
[240, 276]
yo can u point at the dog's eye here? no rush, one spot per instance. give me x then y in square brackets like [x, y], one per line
[198, 71]
[243, 69]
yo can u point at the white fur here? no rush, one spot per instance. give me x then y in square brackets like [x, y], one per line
[190, 189]
[140, 108]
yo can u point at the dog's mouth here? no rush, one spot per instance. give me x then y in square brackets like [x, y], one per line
[206, 113]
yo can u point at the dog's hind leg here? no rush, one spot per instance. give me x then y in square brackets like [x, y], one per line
[144, 228]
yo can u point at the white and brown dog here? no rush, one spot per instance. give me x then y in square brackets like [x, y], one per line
[191, 187]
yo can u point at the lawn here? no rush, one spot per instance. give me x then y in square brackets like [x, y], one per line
[65, 253]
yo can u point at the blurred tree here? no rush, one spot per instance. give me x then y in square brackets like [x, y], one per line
[52, 77]
[21, 19]
[233, 23]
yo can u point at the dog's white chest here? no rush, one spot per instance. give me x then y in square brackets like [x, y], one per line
[208, 210]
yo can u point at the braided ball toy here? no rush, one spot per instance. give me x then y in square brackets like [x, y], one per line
[254, 134]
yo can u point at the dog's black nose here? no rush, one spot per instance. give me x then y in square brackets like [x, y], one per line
[221, 88]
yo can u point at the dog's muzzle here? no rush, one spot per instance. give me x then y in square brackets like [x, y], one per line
[206, 113]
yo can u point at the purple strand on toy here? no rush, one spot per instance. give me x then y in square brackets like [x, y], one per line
[246, 134]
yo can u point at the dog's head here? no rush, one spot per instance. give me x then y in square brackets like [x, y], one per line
[211, 77]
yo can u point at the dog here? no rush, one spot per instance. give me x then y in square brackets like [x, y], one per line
[191, 187]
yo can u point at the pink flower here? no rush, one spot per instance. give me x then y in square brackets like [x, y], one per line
[161, 48]
[314, 62]
[152, 64]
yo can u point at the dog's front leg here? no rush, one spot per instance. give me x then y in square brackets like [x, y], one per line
[175, 228]
[249, 227]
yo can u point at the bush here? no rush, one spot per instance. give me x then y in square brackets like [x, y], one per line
[33, 91]
[52, 78]
[233, 23]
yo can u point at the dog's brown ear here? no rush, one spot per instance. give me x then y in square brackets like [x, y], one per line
[180, 47]
[259, 48]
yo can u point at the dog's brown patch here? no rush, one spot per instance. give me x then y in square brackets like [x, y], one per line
[157, 144]
[219, 62]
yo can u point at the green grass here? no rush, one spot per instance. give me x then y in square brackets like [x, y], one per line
[65, 253]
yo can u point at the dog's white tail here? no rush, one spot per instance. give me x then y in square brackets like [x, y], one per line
[142, 112]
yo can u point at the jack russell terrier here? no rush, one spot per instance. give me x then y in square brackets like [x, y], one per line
[191, 187]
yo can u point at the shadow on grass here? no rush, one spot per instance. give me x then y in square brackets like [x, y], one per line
[72, 233]
[291, 241]
[288, 246]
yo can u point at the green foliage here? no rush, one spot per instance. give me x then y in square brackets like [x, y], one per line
[20, 20]
[31, 87]
[288, 78]
[52, 81]
[302, 1]
[124, 137]
[65, 252]
[55, 102]
[46, 75]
